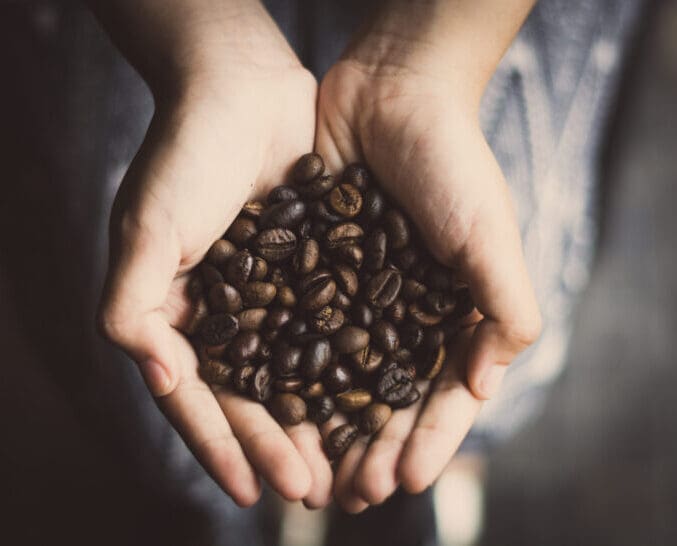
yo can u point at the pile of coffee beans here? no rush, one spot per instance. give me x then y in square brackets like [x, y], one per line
[323, 299]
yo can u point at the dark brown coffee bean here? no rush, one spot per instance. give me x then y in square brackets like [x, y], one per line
[239, 268]
[220, 252]
[242, 230]
[406, 258]
[439, 303]
[322, 214]
[396, 227]
[208, 352]
[265, 352]
[224, 298]
[210, 275]
[464, 302]
[242, 378]
[306, 257]
[316, 277]
[373, 206]
[422, 317]
[411, 335]
[281, 193]
[305, 229]
[261, 388]
[288, 384]
[368, 360]
[430, 362]
[439, 278]
[318, 187]
[432, 338]
[341, 301]
[353, 255]
[346, 200]
[269, 335]
[357, 175]
[412, 396]
[327, 320]
[346, 279]
[350, 339]
[286, 296]
[251, 320]
[419, 270]
[259, 269]
[383, 288]
[278, 317]
[286, 358]
[413, 290]
[195, 289]
[215, 372]
[288, 409]
[275, 244]
[374, 417]
[403, 356]
[362, 315]
[384, 335]
[353, 400]
[199, 312]
[394, 385]
[308, 167]
[318, 295]
[258, 293]
[396, 311]
[320, 409]
[218, 329]
[346, 233]
[314, 390]
[339, 440]
[337, 378]
[375, 250]
[253, 209]
[298, 332]
[243, 347]
[286, 214]
[316, 358]
[278, 277]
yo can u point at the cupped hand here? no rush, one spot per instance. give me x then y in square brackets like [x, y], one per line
[229, 132]
[420, 136]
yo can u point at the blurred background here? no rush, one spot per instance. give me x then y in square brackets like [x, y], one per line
[598, 467]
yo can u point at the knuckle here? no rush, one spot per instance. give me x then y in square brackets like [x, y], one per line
[526, 331]
[113, 324]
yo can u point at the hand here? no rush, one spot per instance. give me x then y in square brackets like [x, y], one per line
[417, 129]
[227, 126]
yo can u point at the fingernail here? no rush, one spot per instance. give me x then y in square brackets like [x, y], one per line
[491, 382]
[156, 377]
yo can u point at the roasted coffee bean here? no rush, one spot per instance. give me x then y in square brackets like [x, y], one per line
[261, 387]
[258, 293]
[199, 312]
[362, 315]
[218, 329]
[259, 269]
[265, 352]
[327, 320]
[241, 231]
[286, 214]
[319, 276]
[253, 209]
[411, 335]
[251, 320]
[269, 335]
[318, 295]
[288, 409]
[275, 244]
[306, 257]
[394, 385]
[373, 206]
[318, 187]
[350, 339]
[339, 440]
[383, 288]
[281, 193]
[286, 296]
[320, 409]
[406, 258]
[242, 378]
[208, 352]
[337, 378]
[368, 360]
[319, 211]
[374, 417]
[346, 279]
[422, 317]
[305, 229]
[403, 356]
[286, 358]
[319, 231]
[396, 227]
[346, 200]
[341, 301]
[195, 289]
[239, 268]
[210, 275]
[439, 278]
[384, 335]
[432, 338]
[308, 167]
[288, 384]
[357, 175]
[353, 255]
[353, 400]
[429, 363]
[375, 250]
[412, 290]
[419, 270]
[278, 317]
[396, 311]
[277, 277]
[243, 347]
[314, 390]
[299, 333]
[215, 372]
[346, 233]
[412, 397]
[316, 358]
[220, 252]
[464, 302]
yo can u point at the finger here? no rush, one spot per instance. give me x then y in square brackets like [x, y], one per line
[443, 422]
[266, 445]
[344, 493]
[193, 410]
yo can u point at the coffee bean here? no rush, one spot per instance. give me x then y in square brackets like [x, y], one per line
[368, 360]
[278, 317]
[224, 298]
[419, 270]
[464, 302]
[318, 187]
[412, 290]
[288, 384]
[422, 317]
[375, 250]
[265, 352]
[286, 297]
[299, 333]
[306, 257]
[373, 206]
[362, 315]
[374, 417]
[346, 233]
[396, 311]
[243, 347]
[394, 385]
[210, 275]
[195, 289]
[258, 293]
[286, 358]
[340, 301]
[262, 384]
[339, 440]
[208, 352]
[385, 336]
[383, 288]
[410, 398]
[396, 227]
[318, 295]
[353, 255]
[215, 372]
[314, 390]
[321, 213]
[316, 357]
[286, 214]
[346, 200]
[350, 339]
[239, 268]
[242, 378]
[346, 279]
[218, 329]
[403, 356]
[281, 193]
[304, 229]
[353, 400]
[242, 230]
[259, 269]
[432, 338]
[430, 362]
[406, 258]
[199, 312]
[411, 335]
[320, 409]
[275, 244]
[337, 378]
[220, 252]
[278, 277]
[250, 320]
[327, 320]
[269, 335]
[253, 209]
[307, 168]
[288, 409]
[357, 175]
